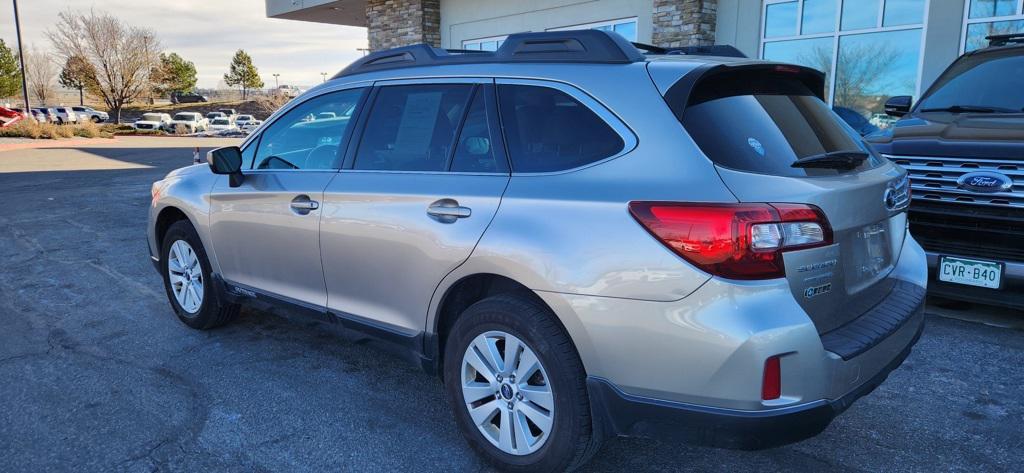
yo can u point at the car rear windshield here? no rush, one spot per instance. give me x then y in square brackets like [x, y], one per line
[185, 117]
[987, 80]
[761, 121]
[151, 117]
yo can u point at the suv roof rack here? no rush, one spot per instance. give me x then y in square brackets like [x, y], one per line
[1004, 39]
[722, 50]
[579, 46]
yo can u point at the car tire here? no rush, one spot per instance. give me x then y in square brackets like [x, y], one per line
[197, 305]
[96, 119]
[571, 440]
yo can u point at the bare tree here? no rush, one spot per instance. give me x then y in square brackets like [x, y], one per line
[39, 73]
[122, 55]
[862, 73]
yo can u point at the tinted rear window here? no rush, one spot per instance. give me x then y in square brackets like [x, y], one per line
[548, 130]
[763, 123]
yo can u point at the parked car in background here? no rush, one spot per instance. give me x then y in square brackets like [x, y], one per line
[65, 115]
[213, 115]
[192, 122]
[251, 125]
[229, 112]
[881, 120]
[287, 91]
[753, 276]
[37, 114]
[50, 113]
[856, 121]
[154, 121]
[242, 120]
[222, 124]
[188, 97]
[90, 113]
[963, 144]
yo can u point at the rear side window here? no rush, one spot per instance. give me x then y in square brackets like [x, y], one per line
[763, 122]
[412, 127]
[548, 130]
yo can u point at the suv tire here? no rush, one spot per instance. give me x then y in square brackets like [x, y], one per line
[193, 294]
[571, 439]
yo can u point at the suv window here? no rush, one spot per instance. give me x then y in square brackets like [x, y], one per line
[759, 122]
[548, 130]
[987, 80]
[412, 127]
[301, 140]
[475, 150]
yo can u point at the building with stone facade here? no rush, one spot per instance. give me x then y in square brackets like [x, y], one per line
[869, 49]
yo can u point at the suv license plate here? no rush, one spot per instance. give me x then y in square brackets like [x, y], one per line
[970, 272]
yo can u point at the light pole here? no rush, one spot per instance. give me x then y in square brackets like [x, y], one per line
[21, 58]
[276, 84]
[324, 75]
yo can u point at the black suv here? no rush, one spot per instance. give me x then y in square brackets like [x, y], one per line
[963, 144]
[188, 97]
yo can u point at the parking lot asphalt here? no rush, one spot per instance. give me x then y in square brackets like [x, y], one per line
[96, 373]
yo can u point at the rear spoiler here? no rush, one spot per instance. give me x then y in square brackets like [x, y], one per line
[682, 93]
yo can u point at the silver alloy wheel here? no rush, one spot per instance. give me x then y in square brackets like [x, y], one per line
[186, 276]
[507, 393]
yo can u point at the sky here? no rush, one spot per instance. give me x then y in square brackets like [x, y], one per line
[208, 32]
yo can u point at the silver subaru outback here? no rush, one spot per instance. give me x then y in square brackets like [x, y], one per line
[582, 239]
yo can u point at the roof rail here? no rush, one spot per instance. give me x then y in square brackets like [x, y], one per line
[578, 46]
[1004, 39]
[722, 50]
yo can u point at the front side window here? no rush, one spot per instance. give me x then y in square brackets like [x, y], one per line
[301, 139]
[412, 127]
[548, 130]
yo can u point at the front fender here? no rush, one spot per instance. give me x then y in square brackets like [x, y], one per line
[187, 190]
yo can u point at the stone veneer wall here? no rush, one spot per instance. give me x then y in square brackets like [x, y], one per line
[684, 22]
[393, 23]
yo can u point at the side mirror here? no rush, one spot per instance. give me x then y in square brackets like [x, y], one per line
[227, 160]
[898, 106]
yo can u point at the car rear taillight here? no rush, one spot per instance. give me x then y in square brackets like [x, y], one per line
[734, 241]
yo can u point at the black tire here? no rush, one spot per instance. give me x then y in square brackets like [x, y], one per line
[572, 440]
[96, 119]
[213, 312]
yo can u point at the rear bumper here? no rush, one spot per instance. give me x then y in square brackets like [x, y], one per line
[629, 415]
[1011, 295]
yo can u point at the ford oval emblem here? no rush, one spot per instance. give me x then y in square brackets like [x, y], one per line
[985, 182]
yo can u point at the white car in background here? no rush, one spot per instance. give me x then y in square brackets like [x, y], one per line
[242, 120]
[192, 121]
[251, 125]
[154, 121]
[222, 124]
[89, 113]
[65, 115]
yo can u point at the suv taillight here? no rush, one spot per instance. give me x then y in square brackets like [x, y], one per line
[735, 241]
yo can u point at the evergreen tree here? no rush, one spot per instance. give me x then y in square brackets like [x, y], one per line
[243, 74]
[174, 74]
[10, 72]
[77, 74]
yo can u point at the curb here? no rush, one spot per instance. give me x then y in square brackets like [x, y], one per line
[52, 143]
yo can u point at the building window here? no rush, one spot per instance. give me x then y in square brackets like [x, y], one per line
[990, 17]
[869, 50]
[626, 27]
[484, 44]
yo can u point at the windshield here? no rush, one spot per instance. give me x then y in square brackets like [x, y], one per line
[185, 117]
[221, 121]
[244, 117]
[764, 123]
[151, 117]
[987, 80]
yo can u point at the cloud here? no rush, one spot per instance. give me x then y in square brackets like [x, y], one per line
[208, 32]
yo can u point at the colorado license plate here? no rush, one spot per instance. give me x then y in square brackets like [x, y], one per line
[970, 272]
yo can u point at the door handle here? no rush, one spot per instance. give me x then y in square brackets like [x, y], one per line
[303, 205]
[448, 211]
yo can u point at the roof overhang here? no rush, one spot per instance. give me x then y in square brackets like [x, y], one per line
[335, 12]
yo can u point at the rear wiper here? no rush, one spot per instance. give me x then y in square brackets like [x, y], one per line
[842, 159]
[970, 109]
